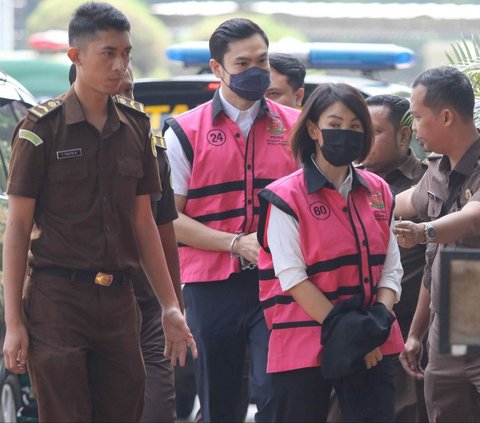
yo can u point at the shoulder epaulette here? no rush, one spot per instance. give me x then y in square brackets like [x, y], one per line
[43, 109]
[131, 104]
[160, 142]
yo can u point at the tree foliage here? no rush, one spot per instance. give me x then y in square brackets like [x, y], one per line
[466, 57]
[150, 36]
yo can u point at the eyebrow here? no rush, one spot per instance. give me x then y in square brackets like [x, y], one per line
[111, 48]
[263, 55]
[340, 118]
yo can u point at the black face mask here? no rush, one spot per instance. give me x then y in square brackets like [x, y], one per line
[342, 146]
[250, 84]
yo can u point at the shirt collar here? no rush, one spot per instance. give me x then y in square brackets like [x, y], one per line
[73, 108]
[221, 105]
[409, 166]
[74, 111]
[466, 164]
[315, 178]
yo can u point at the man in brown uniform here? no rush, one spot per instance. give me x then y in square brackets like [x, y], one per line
[392, 158]
[159, 385]
[82, 169]
[447, 199]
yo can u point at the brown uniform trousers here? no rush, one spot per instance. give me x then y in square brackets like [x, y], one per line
[84, 348]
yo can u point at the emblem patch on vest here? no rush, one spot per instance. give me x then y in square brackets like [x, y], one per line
[376, 200]
[276, 126]
[320, 210]
[216, 137]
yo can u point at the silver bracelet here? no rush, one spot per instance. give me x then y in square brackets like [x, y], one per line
[232, 244]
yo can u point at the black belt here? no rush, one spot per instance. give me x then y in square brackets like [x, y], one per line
[90, 276]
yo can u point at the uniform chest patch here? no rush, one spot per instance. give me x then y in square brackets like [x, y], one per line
[276, 126]
[376, 200]
[69, 154]
[30, 136]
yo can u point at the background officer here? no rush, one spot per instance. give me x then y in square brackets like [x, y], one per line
[287, 76]
[159, 385]
[392, 158]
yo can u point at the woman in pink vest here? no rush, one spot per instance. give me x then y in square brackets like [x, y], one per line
[330, 261]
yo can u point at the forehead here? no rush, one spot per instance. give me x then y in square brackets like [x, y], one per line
[110, 38]
[338, 109]
[379, 113]
[247, 47]
[418, 97]
[278, 79]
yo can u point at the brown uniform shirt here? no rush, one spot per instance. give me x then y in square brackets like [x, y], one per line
[84, 182]
[164, 211]
[433, 191]
[413, 259]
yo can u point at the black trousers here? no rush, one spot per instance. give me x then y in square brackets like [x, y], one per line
[303, 395]
[224, 318]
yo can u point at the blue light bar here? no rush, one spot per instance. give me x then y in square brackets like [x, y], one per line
[362, 56]
[194, 53]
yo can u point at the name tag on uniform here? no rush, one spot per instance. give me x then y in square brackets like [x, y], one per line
[68, 154]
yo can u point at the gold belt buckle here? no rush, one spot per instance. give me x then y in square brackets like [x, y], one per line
[103, 279]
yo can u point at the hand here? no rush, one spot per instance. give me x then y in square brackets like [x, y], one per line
[15, 348]
[409, 234]
[247, 246]
[411, 357]
[177, 336]
[373, 358]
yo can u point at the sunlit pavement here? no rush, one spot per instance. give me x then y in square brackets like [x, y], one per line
[249, 419]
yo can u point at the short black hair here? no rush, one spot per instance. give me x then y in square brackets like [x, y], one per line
[72, 74]
[447, 86]
[398, 107]
[232, 30]
[91, 17]
[291, 67]
[302, 145]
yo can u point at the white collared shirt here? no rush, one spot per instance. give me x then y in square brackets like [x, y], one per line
[289, 263]
[181, 168]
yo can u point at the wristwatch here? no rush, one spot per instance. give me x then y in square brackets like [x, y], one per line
[429, 232]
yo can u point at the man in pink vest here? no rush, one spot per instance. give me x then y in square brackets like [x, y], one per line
[222, 153]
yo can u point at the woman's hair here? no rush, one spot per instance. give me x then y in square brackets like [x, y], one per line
[303, 146]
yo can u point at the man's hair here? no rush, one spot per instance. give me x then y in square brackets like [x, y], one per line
[446, 86]
[397, 106]
[92, 17]
[232, 30]
[291, 67]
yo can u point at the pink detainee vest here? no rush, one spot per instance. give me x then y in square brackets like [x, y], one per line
[228, 171]
[344, 245]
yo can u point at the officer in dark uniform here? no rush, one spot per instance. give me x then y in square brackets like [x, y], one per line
[392, 158]
[159, 387]
[447, 199]
[82, 169]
